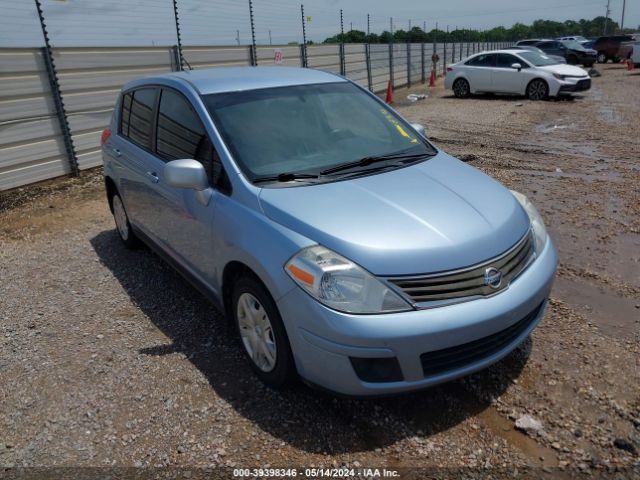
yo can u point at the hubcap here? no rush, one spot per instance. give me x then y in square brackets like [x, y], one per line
[121, 218]
[537, 90]
[256, 332]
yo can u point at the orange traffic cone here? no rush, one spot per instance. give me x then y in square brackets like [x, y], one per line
[432, 80]
[389, 93]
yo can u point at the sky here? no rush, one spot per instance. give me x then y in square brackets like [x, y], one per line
[220, 22]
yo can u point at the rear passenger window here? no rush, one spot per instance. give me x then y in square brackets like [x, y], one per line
[125, 114]
[141, 117]
[181, 135]
[485, 60]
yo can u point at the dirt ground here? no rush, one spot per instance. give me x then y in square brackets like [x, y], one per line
[109, 359]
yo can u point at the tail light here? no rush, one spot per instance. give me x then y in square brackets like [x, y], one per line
[106, 133]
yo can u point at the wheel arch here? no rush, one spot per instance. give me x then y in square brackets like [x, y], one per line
[112, 189]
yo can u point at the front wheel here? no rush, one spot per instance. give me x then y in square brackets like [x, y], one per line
[122, 223]
[602, 57]
[461, 88]
[262, 333]
[537, 90]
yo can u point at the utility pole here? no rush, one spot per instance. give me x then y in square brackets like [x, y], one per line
[270, 42]
[606, 17]
[624, 6]
[238, 37]
[351, 26]
[368, 25]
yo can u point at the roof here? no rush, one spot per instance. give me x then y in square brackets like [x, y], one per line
[233, 79]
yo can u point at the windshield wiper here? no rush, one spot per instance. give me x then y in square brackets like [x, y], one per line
[286, 177]
[366, 161]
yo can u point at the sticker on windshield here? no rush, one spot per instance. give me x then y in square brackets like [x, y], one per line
[399, 128]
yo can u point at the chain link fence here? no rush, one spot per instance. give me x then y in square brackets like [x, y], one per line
[56, 97]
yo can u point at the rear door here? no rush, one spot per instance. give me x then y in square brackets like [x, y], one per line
[553, 48]
[133, 148]
[506, 79]
[479, 71]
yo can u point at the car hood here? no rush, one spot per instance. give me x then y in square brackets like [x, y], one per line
[435, 216]
[564, 69]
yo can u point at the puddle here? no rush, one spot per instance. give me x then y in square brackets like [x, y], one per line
[610, 114]
[551, 128]
[537, 454]
[615, 316]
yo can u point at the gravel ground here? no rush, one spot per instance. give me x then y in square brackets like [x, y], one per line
[109, 359]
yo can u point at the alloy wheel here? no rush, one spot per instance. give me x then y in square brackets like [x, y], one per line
[256, 332]
[461, 88]
[537, 90]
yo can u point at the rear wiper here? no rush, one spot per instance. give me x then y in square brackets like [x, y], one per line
[366, 161]
[285, 177]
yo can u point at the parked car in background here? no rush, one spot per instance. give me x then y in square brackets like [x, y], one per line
[530, 41]
[572, 51]
[588, 45]
[576, 38]
[635, 56]
[518, 72]
[614, 48]
[343, 245]
[557, 58]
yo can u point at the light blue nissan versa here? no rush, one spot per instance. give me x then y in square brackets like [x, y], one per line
[345, 247]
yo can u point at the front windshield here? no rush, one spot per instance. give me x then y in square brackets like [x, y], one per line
[307, 129]
[537, 59]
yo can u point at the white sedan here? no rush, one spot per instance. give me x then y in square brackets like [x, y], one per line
[517, 72]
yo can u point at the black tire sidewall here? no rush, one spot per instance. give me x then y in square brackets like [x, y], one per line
[285, 371]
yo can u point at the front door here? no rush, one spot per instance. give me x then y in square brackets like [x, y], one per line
[506, 79]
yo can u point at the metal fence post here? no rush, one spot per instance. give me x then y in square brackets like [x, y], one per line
[254, 52]
[175, 59]
[177, 20]
[391, 54]
[453, 52]
[54, 84]
[424, 74]
[408, 65]
[460, 51]
[367, 54]
[444, 61]
[343, 67]
[303, 48]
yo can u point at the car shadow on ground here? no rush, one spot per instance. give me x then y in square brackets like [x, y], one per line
[513, 98]
[307, 419]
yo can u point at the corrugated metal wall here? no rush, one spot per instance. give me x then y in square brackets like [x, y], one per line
[31, 144]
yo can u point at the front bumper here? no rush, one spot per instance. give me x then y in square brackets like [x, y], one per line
[324, 341]
[575, 86]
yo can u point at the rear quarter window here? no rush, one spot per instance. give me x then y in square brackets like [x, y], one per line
[140, 120]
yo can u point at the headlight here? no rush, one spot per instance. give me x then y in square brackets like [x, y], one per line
[341, 284]
[537, 225]
[558, 76]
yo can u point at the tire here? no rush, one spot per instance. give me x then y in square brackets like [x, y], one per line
[537, 90]
[461, 88]
[262, 334]
[602, 57]
[616, 59]
[123, 227]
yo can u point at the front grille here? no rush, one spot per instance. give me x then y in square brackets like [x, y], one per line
[452, 358]
[450, 286]
[583, 84]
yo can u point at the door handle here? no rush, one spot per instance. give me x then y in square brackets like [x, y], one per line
[116, 152]
[153, 176]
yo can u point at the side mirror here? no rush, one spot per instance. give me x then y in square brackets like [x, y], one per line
[516, 66]
[188, 174]
[420, 129]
